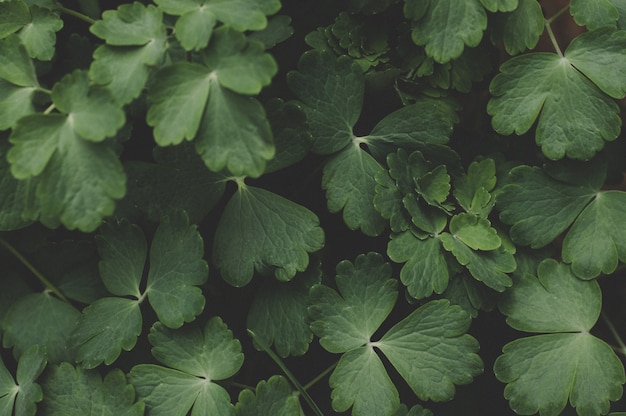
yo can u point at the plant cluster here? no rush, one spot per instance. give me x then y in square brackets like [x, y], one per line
[188, 187]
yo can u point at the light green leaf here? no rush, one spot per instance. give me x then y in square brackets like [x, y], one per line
[194, 29]
[521, 28]
[179, 180]
[15, 103]
[555, 301]
[472, 190]
[273, 397]
[425, 270]
[349, 183]
[360, 381]
[168, 392]
[176, 270]
[489, 267]
[598, 55]
[239, 64]
[210, 353]
[20, 398]
[178, 99]
[39, 35]
[500, 5]
[594, 14]
[15, 196]
[123, 249]
[15, 65]
[348, 319]
[91, 110]
[106, 327]
[332, 92]
[263, 231]
[429, 219]
[539, 207]
[574, 117]
[431, 350]
[597, 240]
[543, 371]
[279, 313]
[47, 145]
[70, 391]
[434, 186]
[447, 26]
[234, 134]
[131, 24]
[14, 14]
[475, 232]
[278, 29]
[40, 318]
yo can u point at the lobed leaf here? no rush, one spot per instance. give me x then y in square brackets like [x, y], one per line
[39, 35]
[131, 24]
[521, 28]
[271, 397]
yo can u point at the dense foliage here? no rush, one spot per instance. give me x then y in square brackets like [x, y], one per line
[365, 207]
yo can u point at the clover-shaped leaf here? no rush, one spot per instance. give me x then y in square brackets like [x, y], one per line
[196, 359]
[20, 397]
[272, 397]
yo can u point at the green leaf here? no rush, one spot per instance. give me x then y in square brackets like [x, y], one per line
[349, 183]
[272, 397]
[194, 28]
[521, 28]
[106, 327]
[500, 5]
[446, 27]
[331, 90]
[470, 295]
[20, 398]
[40, 318]
[48, 147]
[234, 134]
[279, 313]
[539, 207]
[14, 14]
[429, 219]
[348, 319]
[542, 371]
[594, 14]
[388, 201]
[199, 357]
[176, 270]
[15, 194]
[596, 241]
[91, 110]
[278, 29]
[434, 186]
[431, 350]
[15, 103]
[71, 391]
[360, 381]
[475, 232]
[425, 270]
[263, 231]
[472, 190]
[39, 35]
[123, 249]
[574, 117]
[239, 64]
[555, 301]
[131, 24]
[15, 65]
[489, 267]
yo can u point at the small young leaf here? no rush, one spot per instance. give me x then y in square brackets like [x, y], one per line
[130, 25]
[176, 270]
[20, 397]
[475, 232]
[348, 319]
[39, 35]
[263, 231]
[71, 391]
[472, 190]
[15, 64]
[521, 28]
[350, 186]
[273, 397]
[431, 350]
[15, 103]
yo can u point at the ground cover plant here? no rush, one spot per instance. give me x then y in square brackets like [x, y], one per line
[265, 207]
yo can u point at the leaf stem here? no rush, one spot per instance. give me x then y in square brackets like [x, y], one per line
[553, 40]
[320, 376]
[620, 342]
[556, 15]
[74, 13]
[289, 374]
[48, 285]
[237, 385]
[49, 109]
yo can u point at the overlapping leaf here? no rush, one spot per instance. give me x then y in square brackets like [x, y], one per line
[569, 96]
[73, 391]
[262, 231]
[16, 196]
[196, 359]
[20, 397]
[543, 371]
[14, 14]
[272, 397]
[594, 14]
[18, 82]
[39, 35]
[521, 28]
[346, 321]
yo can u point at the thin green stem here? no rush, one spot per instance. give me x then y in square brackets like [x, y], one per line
[49, 109]
[289, 374]
[238, 385]
[48, 285]
[320, 376]
[75, 14]
[553, 40]
[557, 15]
[620, 342]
